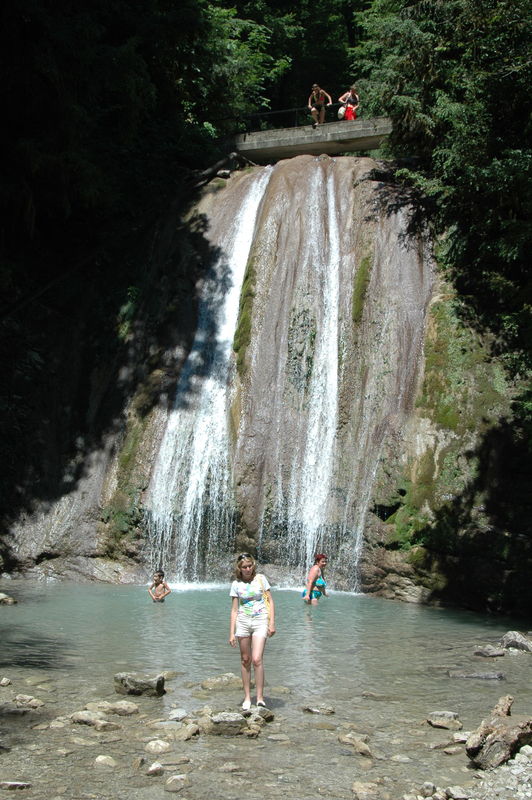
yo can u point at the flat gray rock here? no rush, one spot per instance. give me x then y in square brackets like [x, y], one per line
[481, 676]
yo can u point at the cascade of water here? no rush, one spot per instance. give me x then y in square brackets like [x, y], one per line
[312, 469]
[190, 506]
[303, 486]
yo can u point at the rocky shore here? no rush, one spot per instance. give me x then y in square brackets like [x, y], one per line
[142, 747]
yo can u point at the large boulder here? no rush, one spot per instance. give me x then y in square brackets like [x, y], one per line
[499, 737]
[137, 683]
[517, 641]
[228, 723]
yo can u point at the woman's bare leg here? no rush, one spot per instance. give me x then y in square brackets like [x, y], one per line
[257, 651]
[245, 664]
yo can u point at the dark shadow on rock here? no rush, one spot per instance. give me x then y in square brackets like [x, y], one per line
[73, 356]
[481, 540]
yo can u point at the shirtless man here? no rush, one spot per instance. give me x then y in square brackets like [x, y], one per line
[159, 588]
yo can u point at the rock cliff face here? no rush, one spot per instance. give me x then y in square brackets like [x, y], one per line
[333, 364]
[356, 408]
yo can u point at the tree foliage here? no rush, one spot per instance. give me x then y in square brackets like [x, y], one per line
[454, 76]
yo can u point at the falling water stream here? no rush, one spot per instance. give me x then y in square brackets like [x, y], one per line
[190, 499]
[285, 451]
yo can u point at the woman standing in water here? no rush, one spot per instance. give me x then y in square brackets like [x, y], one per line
[252, 621]
[316, 586]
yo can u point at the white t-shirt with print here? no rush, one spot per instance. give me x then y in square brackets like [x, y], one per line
[250, 595]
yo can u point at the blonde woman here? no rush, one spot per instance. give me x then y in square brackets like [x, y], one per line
[252, 622]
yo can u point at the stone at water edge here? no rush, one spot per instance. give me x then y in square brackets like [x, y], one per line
[490, 652]
[228, 723]
[178, 714]
[176, 783]
[516, 640]
[157, 746]
[7, 600]
[481, 676]
[15, 785]
[445, 719]
[155, 769]
[136, 683]
[222, 682]
[123, 708]
[104, 761]
[365, 791]
[96, 720]
[499, 737]
[357, 742]
[457, 793]
[318, 709]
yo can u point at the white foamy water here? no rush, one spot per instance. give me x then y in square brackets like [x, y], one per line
[312, 468]
[190, 503]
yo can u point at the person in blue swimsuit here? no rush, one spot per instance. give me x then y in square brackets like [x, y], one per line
[316, 586]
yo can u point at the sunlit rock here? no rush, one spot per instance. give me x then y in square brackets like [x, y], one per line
[28, 700]
[516, 640]
[445, 719]
[222, 682]
[176, 783]
[122, 708]
[499, 736]
[228, 723]
[489, 651]
[136, 683]
[358, 742]
[178, 714]
[158, 746]
[105, 761]
[155, 769]
[478, 675]
[365, 790]
[318, 709]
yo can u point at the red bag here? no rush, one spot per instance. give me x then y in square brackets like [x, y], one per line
[350, 113]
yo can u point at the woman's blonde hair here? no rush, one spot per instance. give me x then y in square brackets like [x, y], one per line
[238, 565]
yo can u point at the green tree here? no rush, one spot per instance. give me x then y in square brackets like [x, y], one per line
[454, 77]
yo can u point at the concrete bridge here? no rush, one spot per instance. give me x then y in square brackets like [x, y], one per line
[331, 138]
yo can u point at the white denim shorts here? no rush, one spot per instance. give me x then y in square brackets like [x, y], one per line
[248, 626]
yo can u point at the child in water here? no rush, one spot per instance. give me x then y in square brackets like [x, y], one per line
[159, 588]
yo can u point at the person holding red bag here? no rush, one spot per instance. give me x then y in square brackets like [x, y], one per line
[352, 101]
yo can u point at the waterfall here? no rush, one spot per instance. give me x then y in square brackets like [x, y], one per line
[190, 506]
[301, 507]
[338, 297]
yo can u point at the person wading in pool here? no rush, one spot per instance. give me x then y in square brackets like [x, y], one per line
[316, 586]
[252, 621]
[159, 588]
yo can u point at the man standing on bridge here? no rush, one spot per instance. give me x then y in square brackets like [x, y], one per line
[317, 101]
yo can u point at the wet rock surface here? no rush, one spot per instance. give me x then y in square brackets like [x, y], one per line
[499, 736]
[158, 744]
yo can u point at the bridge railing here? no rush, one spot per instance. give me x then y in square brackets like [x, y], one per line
[286, 118]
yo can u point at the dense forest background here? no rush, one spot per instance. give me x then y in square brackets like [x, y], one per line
[112, 109]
